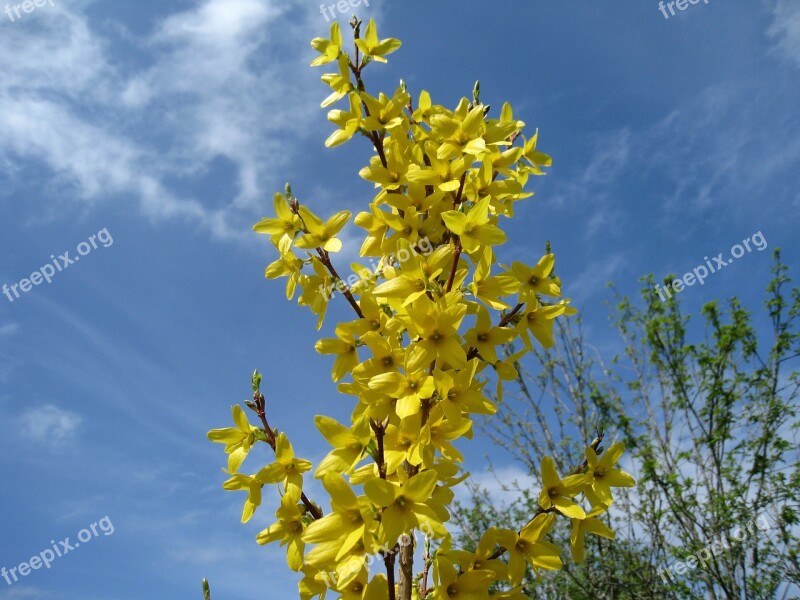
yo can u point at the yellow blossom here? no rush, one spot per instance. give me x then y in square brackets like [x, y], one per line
[558, 493]
[602, 475]
[475, 228]
[405, 506]
[238, 440]
[288, 529]
[530, 546]
[374, 48]
[286, 469]
[591, 524]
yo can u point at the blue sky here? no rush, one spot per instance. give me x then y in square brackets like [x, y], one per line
[169, 125]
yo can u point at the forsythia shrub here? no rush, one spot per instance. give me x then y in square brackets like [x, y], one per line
[430, 312]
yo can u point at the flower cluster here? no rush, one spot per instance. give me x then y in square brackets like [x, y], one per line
[420, 351]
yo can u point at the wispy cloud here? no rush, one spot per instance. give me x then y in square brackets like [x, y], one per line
[9, 329]
[785, 29]
[608, 158]
[211, 82]
[49, 425]
[698, 158]
[27, 593]
[503, 482]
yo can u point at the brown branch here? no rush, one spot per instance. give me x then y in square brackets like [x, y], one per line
[314, 510]
[388, 562]
[460, 192]
[426, 558]
[457, 255]
[373, 135]
[378, 143]
[407, 551]
[454, 268]
[389, 557]
[406, 570]
[326, 261]
[380, 432]
[507, 319]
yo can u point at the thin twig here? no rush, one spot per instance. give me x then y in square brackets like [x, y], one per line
[325, 259]
[314, 510]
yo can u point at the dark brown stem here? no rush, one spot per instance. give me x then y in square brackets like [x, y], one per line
[388, 557]
[426, 558]
[380, 432]
[388, 561]
[458, 250]
[460, 192]
[407, 551]
[507, 319]
[356, 35]
[314, 510]
[454, 268]
[378, 143]
[373, 135]
[326, 261]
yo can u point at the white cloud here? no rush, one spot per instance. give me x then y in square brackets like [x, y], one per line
[594, 185]
[785, 29]
[9, 329]
[26, 593]
[223, 79]
[595, 277]
[699, 157]
[609, 157]
[49, 425]
[504, 483]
